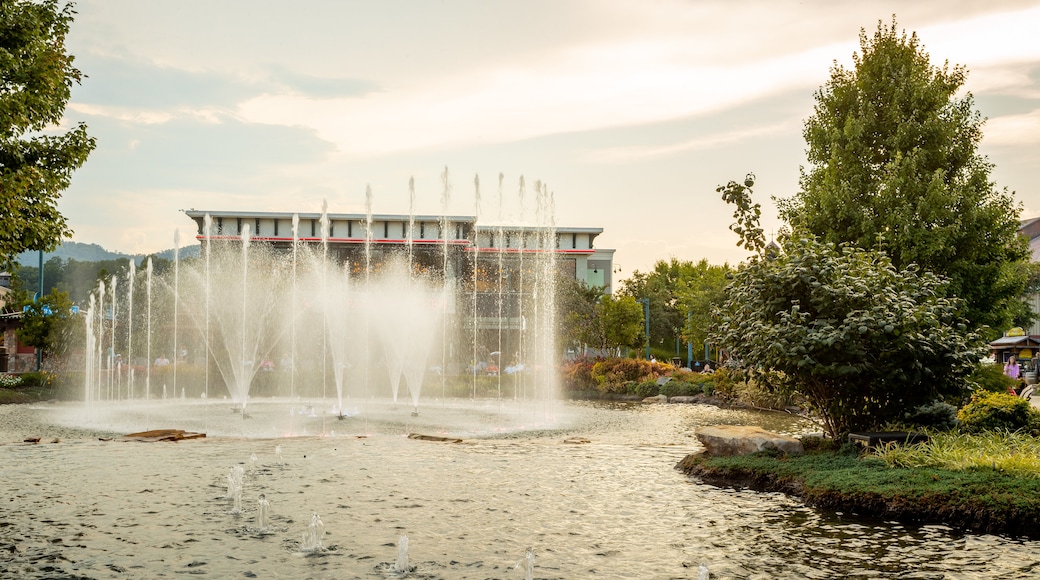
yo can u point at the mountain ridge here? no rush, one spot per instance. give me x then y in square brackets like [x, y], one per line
[89, 252]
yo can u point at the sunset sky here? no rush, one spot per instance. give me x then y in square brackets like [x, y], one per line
[632, 112]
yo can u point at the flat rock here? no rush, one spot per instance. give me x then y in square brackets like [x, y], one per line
[422, 437]
[163, 435]
[724, 440]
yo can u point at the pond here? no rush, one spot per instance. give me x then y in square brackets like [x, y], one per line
[594, 494]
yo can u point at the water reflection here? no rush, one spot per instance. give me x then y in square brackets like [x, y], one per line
[614, 507]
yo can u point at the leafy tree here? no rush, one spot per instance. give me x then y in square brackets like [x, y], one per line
[860, 339]
[622, 322]
[894, 165]
[681, 293]
[578, 314]
[48, 324]
[36, 162]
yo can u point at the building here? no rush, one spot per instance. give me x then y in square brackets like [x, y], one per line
[349, 235]
[498, 271]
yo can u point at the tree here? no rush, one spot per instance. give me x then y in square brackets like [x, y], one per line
[578, 315]
[860, 339]
[36, 161]
[894, 165]
[622, 322]
[49, 324]
[681, 293]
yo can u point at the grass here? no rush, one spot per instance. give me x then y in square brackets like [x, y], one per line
[20, 389]
[1013, 453]
[978, 497]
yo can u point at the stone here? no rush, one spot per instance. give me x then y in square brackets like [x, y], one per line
[656, 399]
[163, 435]
[724, 440]
[421, 437]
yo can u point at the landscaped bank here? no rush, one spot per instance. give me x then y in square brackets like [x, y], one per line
[977, 499]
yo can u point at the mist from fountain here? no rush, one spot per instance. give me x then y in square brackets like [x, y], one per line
[369, 319]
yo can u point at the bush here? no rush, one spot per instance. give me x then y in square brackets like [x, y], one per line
[10, 381]
[817, 443]
[40, 380]
[998, 411]
[577, 375]
[612, 374]
[990, 377]
[679, 389]
[647, 389]
[935, 415]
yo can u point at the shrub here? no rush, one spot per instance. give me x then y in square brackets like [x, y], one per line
[935, 415]
[577, 375]
[679, 389]
[647, 389]
[10, 381]
[998, 411]
[612, 374]
[726, 379]
[817, 443]
[990, 377]
[38, 380]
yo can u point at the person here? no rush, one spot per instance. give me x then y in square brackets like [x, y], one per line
[1012, 370]
[162, 361]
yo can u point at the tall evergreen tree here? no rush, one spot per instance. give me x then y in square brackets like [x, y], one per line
[894, 165]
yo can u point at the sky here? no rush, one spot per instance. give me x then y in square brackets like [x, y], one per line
[631, 113]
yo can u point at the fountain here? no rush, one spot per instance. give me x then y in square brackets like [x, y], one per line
[367, 317]
[263, 509]
[401, 565]
[526, 564]
[312, 540]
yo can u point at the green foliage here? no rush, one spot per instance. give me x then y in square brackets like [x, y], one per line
[998, 411]
[860, 340]
[577, 375]
[613, 374]
[937, 415]
[10, 381]
[647, 389]
[746, 214]
[990, 377]
[1010, 452]
[622, 321]
[36, 161]
[682, 295]
[983, 499]
[894, 165]
[49, 324]
[813, 443]
[578, 317]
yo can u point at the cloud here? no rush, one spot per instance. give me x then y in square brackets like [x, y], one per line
[1013, 130]
[622, 154]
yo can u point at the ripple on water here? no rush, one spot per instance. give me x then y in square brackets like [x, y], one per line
[612, 507]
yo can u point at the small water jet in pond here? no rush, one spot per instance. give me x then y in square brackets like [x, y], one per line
[527, 564]
[236, 496]
[702, 572]
[401, 566]
[252, 463]
[234, 480]
[262, 511]
[312, 538]
[278, 454]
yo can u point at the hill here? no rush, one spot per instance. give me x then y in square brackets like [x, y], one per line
[94, 253]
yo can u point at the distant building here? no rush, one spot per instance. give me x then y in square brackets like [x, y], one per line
[348, 234]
